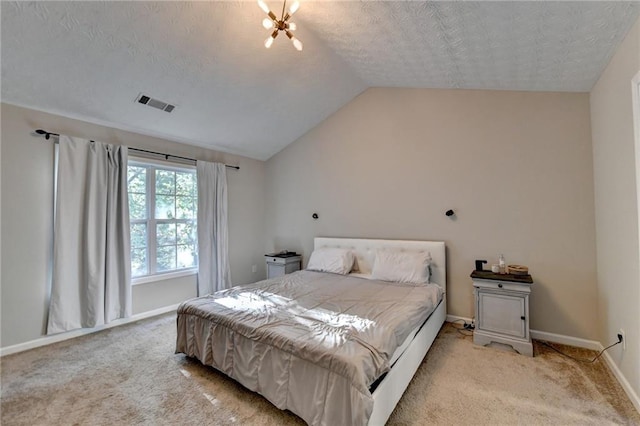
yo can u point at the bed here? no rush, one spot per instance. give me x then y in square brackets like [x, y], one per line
[333, 349]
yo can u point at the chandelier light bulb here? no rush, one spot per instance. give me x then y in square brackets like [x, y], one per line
[268, 42]
[294, 7]
[268, 23]
[297, 44]
[292, 26]
[263, 6]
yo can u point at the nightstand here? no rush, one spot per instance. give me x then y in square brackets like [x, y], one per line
[279, 265]
[502, 310]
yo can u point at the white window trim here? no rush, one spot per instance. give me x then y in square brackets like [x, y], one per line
[176, 165]
[164, 276]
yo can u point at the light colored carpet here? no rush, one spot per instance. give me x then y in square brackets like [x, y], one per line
[130, 375]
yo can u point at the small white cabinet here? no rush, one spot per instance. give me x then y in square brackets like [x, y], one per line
[278, 266]
[502, 310]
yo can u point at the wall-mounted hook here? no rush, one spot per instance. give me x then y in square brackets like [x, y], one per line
[315, 216]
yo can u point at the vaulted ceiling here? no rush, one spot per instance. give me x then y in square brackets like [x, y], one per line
[90, 60]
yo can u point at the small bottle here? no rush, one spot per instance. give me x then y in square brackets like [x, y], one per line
[501, 263]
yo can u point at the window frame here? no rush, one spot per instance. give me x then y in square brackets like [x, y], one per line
[151, 165]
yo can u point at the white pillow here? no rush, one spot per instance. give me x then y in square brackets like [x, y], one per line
[402, 266]
[335, 260]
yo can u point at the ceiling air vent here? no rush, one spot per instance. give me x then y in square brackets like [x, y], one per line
[155, 103]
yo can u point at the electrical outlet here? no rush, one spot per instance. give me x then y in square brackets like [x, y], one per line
[624, 339]
[254, 268]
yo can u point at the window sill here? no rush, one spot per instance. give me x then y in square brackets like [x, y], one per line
[161, 277]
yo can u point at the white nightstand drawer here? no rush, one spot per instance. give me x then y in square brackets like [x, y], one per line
[502, 285]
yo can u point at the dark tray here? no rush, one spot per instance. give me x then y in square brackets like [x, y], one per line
[284, 255]
[488, 275]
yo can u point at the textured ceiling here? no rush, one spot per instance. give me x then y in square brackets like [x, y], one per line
[512, 45]
[89, 60]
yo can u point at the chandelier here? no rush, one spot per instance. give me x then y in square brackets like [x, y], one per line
[282, 24]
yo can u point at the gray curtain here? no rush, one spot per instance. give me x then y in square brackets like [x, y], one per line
[91, 255]
[213, 252]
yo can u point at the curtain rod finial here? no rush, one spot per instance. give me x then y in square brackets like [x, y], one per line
[46, 134]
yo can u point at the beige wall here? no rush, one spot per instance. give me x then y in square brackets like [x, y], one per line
[515, 166]
[616, 206]
[27, 221]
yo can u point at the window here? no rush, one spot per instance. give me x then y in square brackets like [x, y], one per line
[162, 212]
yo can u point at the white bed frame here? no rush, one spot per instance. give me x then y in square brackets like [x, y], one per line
[391, 388]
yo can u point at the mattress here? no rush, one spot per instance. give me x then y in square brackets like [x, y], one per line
[310, 342]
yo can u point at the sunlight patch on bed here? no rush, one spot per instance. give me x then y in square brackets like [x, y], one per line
[246, 301]
[329, 328]
[338, 320]
[185, 373]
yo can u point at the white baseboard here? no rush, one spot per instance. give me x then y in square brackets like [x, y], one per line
[633, 396]
[566, 340]
[48, 340]
[547, 337]
[454, 318]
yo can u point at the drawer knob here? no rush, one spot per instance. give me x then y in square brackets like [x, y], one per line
[500, 285]
[522, 318]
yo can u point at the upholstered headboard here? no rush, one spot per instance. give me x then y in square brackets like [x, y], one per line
[365, 251]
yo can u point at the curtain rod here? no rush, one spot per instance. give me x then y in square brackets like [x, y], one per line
[47, 135]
